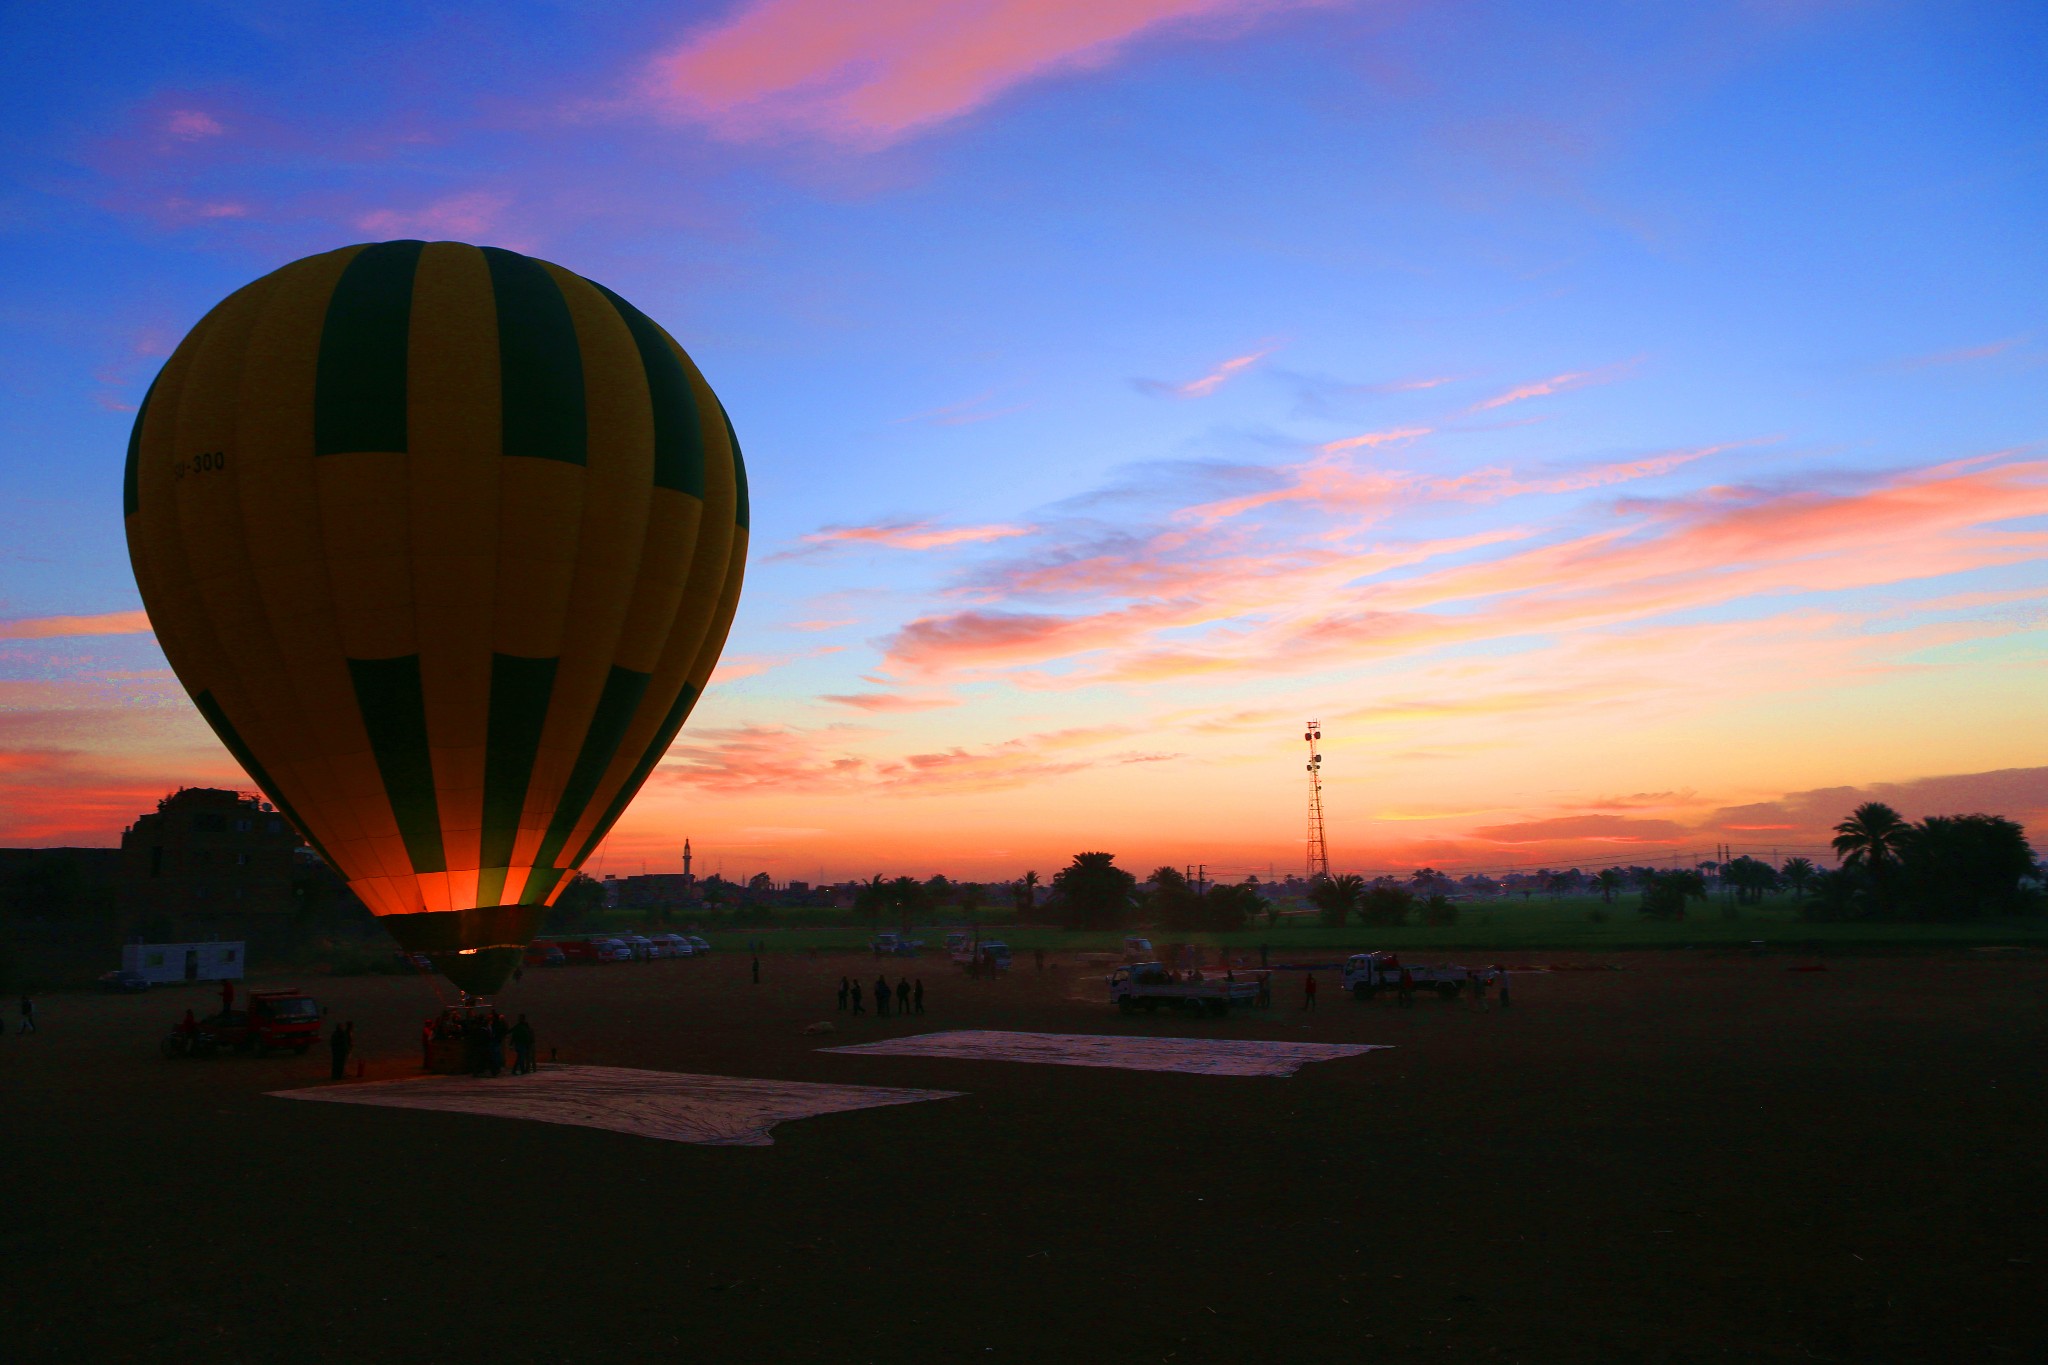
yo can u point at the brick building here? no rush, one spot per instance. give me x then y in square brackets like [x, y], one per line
[208, 856]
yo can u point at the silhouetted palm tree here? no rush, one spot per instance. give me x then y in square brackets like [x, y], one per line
[1798, 874]
[1336, 897]
[1874, 834]
[1610, 882]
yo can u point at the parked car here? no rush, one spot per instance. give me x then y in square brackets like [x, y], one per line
[672, 945]
[541, 953]
[642, 949]
[611, 950]
[124, 983]
[699, 944]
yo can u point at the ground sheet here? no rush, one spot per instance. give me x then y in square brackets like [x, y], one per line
[720, 1111]
[1202, 1056]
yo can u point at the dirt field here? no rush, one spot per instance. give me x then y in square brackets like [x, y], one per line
[1699, 1157]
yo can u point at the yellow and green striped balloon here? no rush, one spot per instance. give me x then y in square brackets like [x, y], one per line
[444, 541]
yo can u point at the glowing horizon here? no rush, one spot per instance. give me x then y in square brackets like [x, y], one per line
[1625, 432]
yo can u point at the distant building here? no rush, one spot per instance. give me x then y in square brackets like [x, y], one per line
[208, 855]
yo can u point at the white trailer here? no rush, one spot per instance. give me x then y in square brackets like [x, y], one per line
[160, 964]
[1366, 974]
[1148, 985]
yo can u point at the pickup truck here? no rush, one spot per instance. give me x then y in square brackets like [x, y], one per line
[895, 945]
[273, 1019]
[1148, 985]
[1366, 974]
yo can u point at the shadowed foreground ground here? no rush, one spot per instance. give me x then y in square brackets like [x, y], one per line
[1700, 1157]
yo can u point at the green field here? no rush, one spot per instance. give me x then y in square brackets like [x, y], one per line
[1539, 923]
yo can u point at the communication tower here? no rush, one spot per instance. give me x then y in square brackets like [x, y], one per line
[1318, 851]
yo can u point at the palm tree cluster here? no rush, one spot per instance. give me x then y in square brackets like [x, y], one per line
[1944, 867]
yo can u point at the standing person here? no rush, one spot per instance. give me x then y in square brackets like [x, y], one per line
[917, 997]
[476, 1047]
[1500, 974]
[757, 971]
[858, 1008]
[1407, 988]
[1038, 955]
[499, 1029]
[1308, 991]
[1265, 1000]
[227, 995]
[842, 995]
[1480, 981]
[28, 1015]
[882, 997]
[339, 1044]
[522, 1047]
[902, 996]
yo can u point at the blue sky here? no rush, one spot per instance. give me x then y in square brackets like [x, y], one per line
[1115, 396]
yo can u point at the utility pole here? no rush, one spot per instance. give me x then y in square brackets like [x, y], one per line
[1318, 851]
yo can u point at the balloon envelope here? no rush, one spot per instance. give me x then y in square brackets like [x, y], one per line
[444, 542]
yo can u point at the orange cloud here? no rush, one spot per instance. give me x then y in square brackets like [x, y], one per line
[55, 627]
[1618, 829]
[869, 73]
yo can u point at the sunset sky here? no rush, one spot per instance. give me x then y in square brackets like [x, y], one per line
[1621, 425]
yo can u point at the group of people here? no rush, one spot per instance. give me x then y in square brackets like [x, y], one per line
[908, 995]
[485, 1035]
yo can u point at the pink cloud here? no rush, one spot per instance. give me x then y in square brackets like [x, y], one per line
[1208, 383]
[1233, 609]
[961, 414]
[770, 760]
[56, 627]
[912, 535]
[192, 125]
[1965, 354]
[889, 701]
[463, 217]
[1543, 388]
[1372, 439]
[872, 72]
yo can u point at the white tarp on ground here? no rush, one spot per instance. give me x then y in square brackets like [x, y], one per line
[720, 1111]
[1202, 1056]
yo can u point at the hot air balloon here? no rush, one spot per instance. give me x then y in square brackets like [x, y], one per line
[444, 542]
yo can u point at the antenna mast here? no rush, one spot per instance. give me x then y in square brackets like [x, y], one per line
[1318, 851]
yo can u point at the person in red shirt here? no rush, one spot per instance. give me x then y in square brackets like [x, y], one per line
[1308, 991]
[227, 995]
[188, 1025]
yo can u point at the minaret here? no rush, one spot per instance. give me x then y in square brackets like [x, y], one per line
[686, 859]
